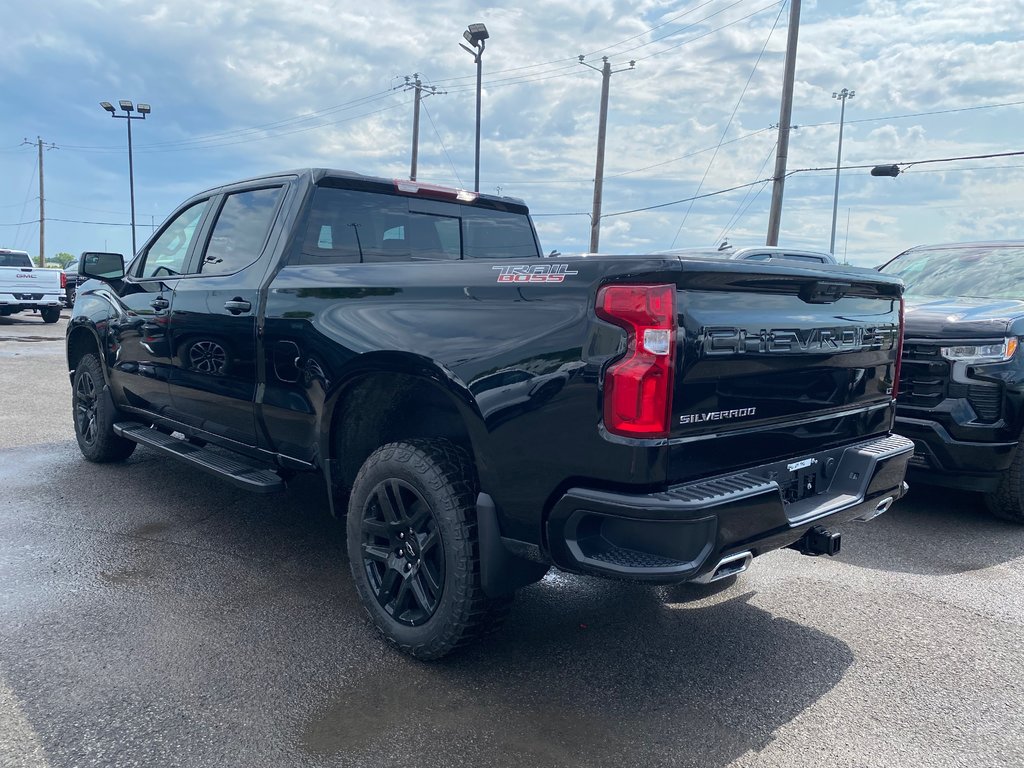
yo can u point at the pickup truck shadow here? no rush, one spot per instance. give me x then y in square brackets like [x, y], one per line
[932, 532]
[240, 609]
[589, 672]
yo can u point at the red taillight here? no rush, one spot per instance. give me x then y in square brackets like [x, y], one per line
[638, 388]
[899, 356]
[63, 280]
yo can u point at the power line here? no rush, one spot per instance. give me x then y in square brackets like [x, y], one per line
[651, 29]
[711, 31]
[443, 147]
[740, 210]
[830, 169]
[735, 109]
[361, 101]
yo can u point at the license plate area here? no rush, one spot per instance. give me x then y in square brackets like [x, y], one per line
[802, 481]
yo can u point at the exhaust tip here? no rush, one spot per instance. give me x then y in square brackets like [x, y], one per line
[731, 565]
[880, 509]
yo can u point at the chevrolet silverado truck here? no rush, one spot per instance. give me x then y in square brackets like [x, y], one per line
[961, 394]
[24, 288]
[482, 412]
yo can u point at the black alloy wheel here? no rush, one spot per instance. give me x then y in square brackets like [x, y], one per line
[85, 400]
[413, 549]
[402, 552]
[94, 414]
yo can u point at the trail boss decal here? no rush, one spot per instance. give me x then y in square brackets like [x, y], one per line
[700, 418]
[534, 273]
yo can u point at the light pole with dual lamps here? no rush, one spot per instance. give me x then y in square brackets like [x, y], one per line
[129, 108]
[475, 35]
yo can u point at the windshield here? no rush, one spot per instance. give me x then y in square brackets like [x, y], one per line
[977, 272]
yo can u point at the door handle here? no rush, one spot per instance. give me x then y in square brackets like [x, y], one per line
[237, 305]
[160, 303]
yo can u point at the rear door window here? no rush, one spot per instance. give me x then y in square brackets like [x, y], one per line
[240, 231]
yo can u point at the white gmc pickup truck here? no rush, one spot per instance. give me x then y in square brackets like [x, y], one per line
[24, 287]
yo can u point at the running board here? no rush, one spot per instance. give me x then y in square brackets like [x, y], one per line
[236, 472]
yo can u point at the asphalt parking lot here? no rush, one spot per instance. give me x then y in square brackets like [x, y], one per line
[151, 616]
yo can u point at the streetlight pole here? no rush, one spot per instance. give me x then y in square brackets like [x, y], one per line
[129, 108]
[475, 35]
[842, 96]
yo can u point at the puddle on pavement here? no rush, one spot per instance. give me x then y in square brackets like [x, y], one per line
[408, 704]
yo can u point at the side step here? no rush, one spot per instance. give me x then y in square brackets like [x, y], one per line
[216, 463]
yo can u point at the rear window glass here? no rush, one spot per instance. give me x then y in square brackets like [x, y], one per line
[353, 226]
[15, 260]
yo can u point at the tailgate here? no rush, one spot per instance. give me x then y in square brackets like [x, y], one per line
[29, 280]
[779, 361]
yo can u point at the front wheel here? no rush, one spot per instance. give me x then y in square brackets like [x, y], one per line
[412, 545]
[1007, 501]
[50, 314]
[94, 413]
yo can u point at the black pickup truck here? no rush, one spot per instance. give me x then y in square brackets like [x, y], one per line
[483, 412]
[961, 394]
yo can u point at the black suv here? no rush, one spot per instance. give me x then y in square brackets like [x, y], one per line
[961, 393]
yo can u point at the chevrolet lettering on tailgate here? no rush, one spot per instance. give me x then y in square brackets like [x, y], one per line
[853, 338]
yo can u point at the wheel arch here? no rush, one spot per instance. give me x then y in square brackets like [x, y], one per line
[81, 341]
[388, 397]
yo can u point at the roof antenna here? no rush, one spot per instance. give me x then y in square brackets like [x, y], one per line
[724, 246]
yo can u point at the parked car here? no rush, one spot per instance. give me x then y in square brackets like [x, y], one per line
[483, 412]
[961, 393]
[70, 282]
[25, 288]
[756, 253]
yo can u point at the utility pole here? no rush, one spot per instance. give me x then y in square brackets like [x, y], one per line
[42, 197]
[42, 207]
[785, 116]
[842, 96]
[417, 86]
[602, 131]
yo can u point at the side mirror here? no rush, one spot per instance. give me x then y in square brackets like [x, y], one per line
[102, 266]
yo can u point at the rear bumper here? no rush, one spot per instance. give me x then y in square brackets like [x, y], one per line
[939, 459]
[683, 533]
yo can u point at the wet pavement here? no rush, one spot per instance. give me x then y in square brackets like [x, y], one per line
[152, 616]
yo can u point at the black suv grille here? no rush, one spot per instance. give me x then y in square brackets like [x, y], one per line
[924, 375]
[925, 382]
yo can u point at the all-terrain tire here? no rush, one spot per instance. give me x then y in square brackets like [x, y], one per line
[1007, 501]
[94, 413]
[413, 548]
[50, 314]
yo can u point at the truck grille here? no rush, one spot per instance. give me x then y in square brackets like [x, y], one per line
[923, 376]
[925, 383]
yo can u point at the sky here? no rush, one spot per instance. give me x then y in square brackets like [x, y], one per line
[242, 88]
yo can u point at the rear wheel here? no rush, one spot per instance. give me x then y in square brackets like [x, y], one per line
[50, 314]
[1007, 501]
[94, 413]
[412, 544]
